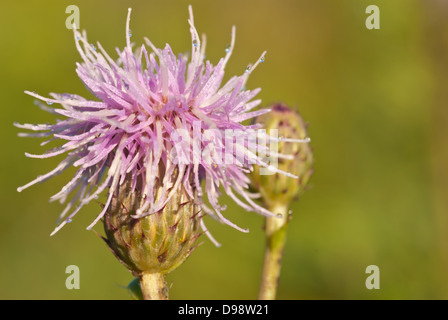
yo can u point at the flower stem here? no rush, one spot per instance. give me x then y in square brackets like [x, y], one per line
[275, 243]
[153, 286]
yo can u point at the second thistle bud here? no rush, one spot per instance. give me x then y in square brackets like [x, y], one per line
[157, 243]
[278, 188]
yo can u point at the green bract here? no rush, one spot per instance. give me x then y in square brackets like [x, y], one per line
[156, 243]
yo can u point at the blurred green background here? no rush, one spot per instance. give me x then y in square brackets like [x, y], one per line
[376, 101]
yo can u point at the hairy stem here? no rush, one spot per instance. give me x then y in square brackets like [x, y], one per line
[153, 286]
[275, 243]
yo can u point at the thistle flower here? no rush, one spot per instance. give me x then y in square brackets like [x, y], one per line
[145, 101]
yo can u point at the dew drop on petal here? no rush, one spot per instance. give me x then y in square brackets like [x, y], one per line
[290, 212]
[279, 215]
[262, 59]
[248, 68]
[195, 43]
[49, 103]
[227, 48]
[93, 46]
[68, 220]
[130, 33]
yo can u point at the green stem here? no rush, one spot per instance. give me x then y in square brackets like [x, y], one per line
[153, 286]
[275, 243]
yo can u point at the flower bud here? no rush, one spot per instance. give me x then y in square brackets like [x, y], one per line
[156, 243]
[277, 188]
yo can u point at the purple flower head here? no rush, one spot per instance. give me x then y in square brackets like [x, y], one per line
[150, 107]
